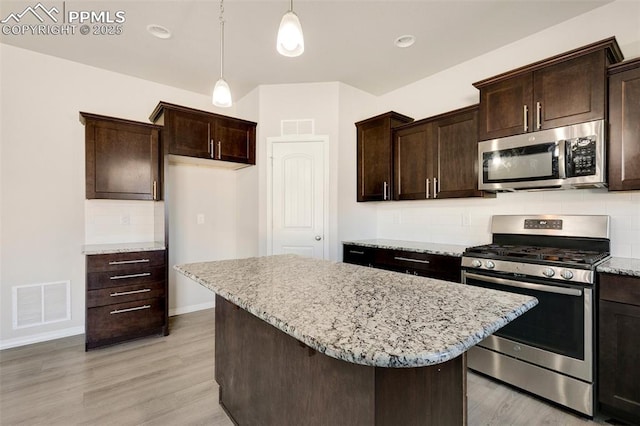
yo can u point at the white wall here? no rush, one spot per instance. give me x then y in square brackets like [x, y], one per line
[466, 221]
[42, 177]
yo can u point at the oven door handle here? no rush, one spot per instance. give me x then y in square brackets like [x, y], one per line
[531, 286]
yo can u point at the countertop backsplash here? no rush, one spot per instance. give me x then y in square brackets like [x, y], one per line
[468, 221]
[123, 221]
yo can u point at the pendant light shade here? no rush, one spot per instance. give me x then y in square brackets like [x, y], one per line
[221, 92]
[290, 39]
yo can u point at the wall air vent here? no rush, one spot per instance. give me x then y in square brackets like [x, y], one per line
[39, 304]
[297, 127]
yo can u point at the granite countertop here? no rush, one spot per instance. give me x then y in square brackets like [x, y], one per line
[621, 266]
[415, 246]
[89, 249]
[361, 315]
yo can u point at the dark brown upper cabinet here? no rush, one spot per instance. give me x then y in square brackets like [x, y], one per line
[624, 126]
[563, 90]
[375, 156]
[437, 157]
[199, 134]
[122, 158]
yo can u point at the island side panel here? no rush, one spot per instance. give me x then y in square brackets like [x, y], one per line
[434, 395]
[267, 377]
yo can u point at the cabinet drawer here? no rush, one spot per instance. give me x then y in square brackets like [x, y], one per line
[620, 288]
[424, 264]
[122, 294]
[139, 275]
[124, 261]
[122, 320]
[357, 255]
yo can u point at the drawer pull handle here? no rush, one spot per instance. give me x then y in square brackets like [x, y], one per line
[137, 308]
[127, 262]
[406, 259]
[356, 252]
[125, 293]
[121, 277]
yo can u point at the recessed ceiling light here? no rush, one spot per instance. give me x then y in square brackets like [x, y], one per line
[158, 31]
[405, 41]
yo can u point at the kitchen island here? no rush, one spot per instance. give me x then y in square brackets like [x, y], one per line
[305, 341]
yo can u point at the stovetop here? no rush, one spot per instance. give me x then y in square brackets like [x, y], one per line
[535, 254]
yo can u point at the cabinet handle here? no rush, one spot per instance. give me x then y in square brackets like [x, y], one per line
[538, 115]
[127, 262]
[137, 308]
[525, 112]
[356, 252]
[435, 187]
[122, 277]
[385, 189]
[125, 293]
[427, 190]
[210, 143]
[155, 190]
[211, 148]
[219, 151]
[406, 259]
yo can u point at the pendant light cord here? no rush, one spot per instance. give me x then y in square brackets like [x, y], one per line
[221, 39]
[291, 6]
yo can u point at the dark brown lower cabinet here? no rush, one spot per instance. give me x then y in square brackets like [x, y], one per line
[267, 377]
[126, 297]
[437, 266]
[619, 347]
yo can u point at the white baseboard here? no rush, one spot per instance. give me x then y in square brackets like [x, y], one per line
[40, 337]
[191, 308]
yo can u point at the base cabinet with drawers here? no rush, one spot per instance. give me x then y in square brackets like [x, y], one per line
[126, 297]
[430, 265]
[619, 347]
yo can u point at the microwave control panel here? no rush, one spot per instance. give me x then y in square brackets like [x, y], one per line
[581, 156]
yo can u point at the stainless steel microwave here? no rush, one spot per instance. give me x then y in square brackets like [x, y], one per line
[565, 157]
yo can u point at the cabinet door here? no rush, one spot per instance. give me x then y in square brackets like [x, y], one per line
[619, 358]
[570, 92]
[190, 134]
[374, 161]
[505, 107]
[457, 161]
[414, 153]
[122, 161]
[624, 137]
[234, 140]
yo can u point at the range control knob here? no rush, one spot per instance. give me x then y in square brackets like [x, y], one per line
[548, 272]
[489, 264]
[476, 263]
[567, 275]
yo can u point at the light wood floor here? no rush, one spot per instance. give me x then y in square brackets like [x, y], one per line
[169, 381]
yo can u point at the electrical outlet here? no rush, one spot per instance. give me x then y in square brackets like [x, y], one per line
[466, 219]
[200, 219]
[125, 219]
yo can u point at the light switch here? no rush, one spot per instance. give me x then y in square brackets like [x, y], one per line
[200, 218]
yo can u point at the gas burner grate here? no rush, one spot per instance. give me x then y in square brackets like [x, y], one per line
[533, 253]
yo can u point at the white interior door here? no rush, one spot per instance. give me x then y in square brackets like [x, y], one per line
[298, 185]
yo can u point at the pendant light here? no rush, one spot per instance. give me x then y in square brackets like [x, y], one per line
[290, 40]
[221, 91]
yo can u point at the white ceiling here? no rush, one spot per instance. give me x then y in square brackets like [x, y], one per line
[347, 41]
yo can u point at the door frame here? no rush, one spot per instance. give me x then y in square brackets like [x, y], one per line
[324, 140]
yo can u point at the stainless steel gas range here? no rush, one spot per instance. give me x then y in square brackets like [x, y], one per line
[549, 351]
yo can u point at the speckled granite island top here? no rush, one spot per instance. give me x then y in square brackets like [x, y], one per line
[358, 314]
[621, 266]
[415, 246]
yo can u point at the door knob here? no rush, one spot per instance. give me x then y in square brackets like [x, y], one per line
[318, 237]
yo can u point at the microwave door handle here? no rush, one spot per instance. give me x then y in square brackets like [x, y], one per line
[532, 286]
[562, 159]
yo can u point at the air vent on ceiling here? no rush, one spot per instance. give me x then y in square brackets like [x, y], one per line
[297, 127]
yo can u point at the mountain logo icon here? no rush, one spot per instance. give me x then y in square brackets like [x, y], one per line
[39, 11]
